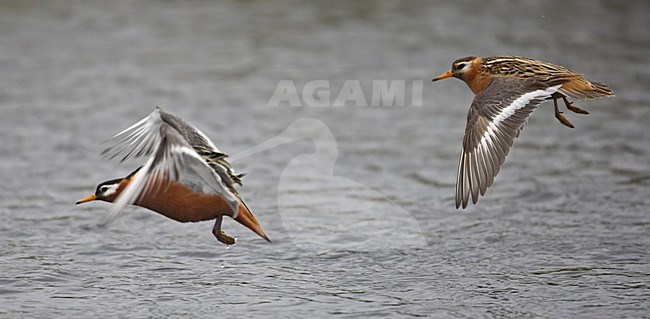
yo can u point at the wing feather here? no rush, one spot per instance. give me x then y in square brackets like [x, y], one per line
[140, 138]
[495, 119]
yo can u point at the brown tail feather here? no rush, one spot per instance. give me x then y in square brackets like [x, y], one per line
[246, 218]
[581, 89]
[602, 89]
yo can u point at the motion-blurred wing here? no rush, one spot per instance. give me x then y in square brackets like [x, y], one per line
[139, 139]
[171, 157]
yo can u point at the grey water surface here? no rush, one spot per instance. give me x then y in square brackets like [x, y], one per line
[358, 200]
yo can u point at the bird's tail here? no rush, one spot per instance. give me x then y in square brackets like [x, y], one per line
[246, 218]
[581, 89]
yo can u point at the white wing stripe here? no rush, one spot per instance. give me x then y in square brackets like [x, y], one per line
[517, 104]
[522, 101]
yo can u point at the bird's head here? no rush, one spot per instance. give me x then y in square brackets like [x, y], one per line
[461, 69]
[106, 191]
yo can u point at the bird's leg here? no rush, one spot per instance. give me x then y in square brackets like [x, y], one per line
[573, 108]
[560, 116]
[221, 235]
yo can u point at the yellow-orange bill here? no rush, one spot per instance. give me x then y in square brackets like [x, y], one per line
[445, 75]
[87, 199]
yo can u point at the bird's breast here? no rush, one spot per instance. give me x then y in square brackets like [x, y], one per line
[477, 82]
[185, 203]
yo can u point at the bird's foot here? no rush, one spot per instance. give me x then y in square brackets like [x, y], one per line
[573, 108]
[224, 238]
[560, 116]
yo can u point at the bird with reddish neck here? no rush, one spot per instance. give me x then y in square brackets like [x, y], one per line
[186, 177]
[507, 89]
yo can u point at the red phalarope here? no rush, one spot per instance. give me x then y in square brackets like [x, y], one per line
[186, 178]
[507, 90]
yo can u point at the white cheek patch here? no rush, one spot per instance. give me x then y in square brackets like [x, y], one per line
[110, 190]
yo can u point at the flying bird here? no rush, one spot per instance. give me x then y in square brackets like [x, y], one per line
[185, 178]
[507, 89]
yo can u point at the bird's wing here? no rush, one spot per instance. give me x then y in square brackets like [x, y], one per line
[170, 158]
[494, 120]
[205, 147]
[192, 134]
[137, 140]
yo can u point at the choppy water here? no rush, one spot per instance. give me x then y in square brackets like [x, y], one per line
[358, 200]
